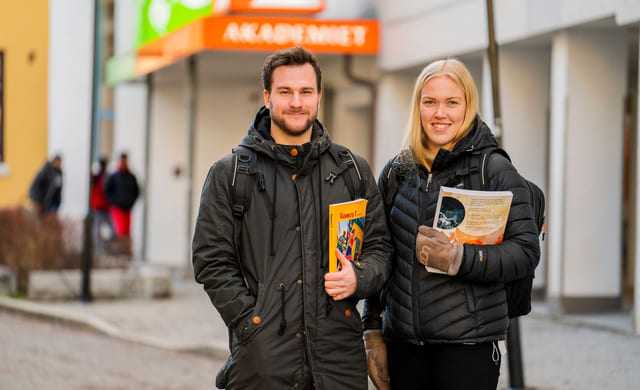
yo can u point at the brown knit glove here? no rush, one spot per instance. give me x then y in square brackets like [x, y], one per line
[433, 249]
[377, 359]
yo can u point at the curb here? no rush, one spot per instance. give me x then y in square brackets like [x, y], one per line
[212, 348]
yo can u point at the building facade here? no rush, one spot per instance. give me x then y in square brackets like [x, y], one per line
[181, 99]
[568, 90]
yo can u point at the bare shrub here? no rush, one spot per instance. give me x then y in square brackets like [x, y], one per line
[28, 242]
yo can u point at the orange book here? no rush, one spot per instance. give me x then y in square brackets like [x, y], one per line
[472, 217]
[346, 230]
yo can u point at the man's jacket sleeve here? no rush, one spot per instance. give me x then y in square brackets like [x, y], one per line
[215, 263]
[374, 266]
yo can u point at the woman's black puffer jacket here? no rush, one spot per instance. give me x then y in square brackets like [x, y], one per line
[423, 307]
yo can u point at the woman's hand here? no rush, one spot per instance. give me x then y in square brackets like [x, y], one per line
[433, 249]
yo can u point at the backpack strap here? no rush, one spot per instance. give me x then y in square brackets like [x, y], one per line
[345, 161]
[475, 168]
[394, 179]
[244, 163]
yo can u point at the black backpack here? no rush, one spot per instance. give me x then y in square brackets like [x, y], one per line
[518, 291]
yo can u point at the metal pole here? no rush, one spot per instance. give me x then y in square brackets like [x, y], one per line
[191, 130]
[87, 245]
[514, 352]
[495, 81]
[516, 373]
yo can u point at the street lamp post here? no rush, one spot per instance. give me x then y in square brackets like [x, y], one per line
[516, 372]
[87, 245]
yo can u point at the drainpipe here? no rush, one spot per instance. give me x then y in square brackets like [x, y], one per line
[191, 129]
[147, 168]
[373, 88]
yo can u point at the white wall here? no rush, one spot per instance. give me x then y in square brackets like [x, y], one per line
[394, 97]
[129, 123]
[557, 160]
[69, 98]
[167, 192]
[125, 12]
[352, 9]
[524, 92]
[594, 152]
[224, 113]
[417, 31]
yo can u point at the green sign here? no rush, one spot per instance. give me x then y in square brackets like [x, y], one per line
[120, 67]
[160, 17]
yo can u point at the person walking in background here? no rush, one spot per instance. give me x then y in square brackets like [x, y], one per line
[100, 206]
[291, 324]
[121, 190]
[441, 330]
[46, 189]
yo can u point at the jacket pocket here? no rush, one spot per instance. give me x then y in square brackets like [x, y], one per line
[250, 326]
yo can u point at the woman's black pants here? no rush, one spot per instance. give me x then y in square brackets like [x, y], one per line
[444, 366]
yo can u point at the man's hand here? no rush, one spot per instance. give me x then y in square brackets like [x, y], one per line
[377, 359]
[341, 284]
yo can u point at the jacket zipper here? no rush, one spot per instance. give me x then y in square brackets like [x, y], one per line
[426, 188]
[484, 158]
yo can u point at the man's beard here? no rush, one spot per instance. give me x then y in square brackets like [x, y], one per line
[280, 121]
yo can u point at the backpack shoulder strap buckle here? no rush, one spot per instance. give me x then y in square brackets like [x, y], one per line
[331, 177]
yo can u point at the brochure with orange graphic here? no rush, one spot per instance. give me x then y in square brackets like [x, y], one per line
[472, 217]
[346, 230]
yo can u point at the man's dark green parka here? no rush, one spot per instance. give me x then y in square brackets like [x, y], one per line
[283, 326]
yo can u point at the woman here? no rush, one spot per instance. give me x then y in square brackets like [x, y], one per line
[441, 331]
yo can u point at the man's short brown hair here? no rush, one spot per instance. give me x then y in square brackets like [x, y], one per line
[293, 56]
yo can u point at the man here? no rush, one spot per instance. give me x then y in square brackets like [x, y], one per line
[291, 324]
[121, 189]
[46, 189]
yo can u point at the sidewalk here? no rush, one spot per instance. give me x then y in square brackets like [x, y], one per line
[188, 322]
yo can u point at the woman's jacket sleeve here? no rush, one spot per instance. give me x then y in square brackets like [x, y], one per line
[519, 252]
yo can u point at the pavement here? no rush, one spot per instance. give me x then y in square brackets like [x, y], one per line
[187, 322]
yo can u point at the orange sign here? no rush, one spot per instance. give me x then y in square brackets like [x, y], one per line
[259, 34]
[268, 34]
[292, 6]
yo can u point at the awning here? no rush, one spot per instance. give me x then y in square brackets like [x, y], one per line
[246, 33]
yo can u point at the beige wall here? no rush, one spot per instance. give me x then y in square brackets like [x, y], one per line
[24, 42]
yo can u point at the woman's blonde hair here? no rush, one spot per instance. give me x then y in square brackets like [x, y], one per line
[416, 138]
